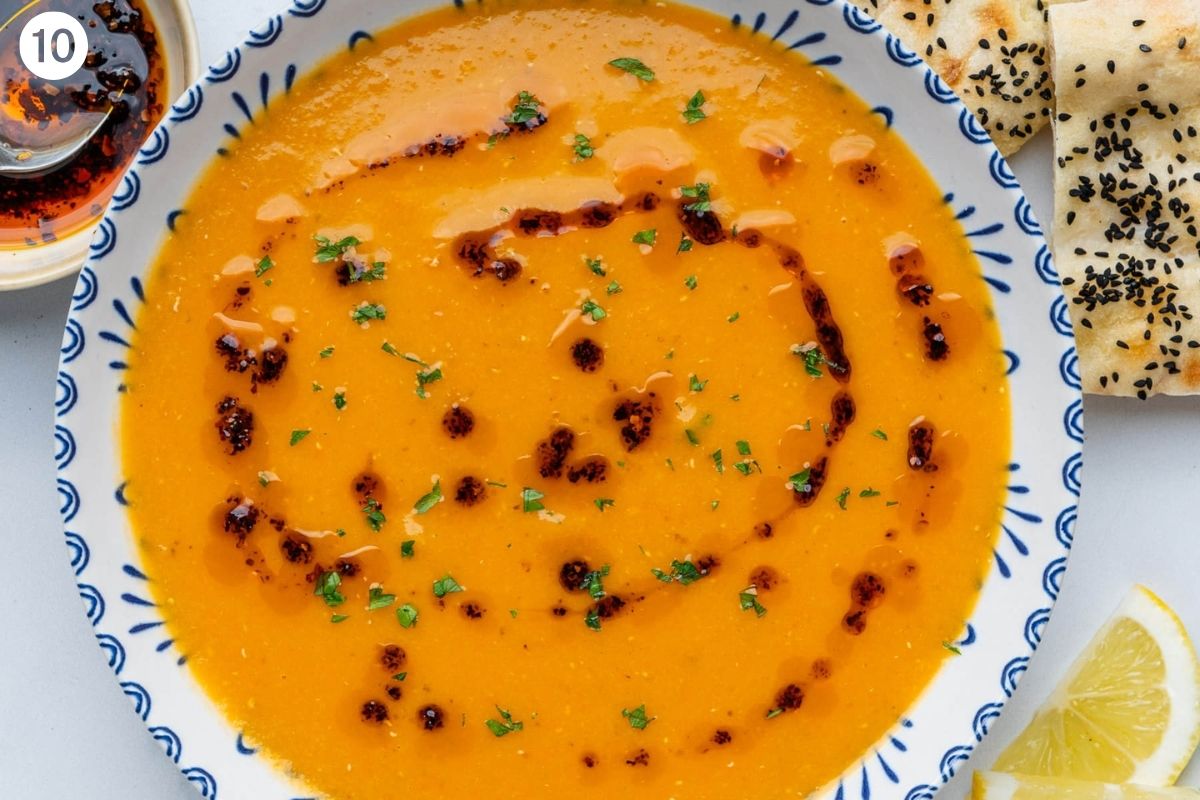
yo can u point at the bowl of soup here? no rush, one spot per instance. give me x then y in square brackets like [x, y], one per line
[527, 398]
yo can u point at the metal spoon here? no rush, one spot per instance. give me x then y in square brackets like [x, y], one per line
[17, 160]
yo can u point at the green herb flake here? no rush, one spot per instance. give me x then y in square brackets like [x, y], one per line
[497, 484]
[358, 273]
[430, 499]
[265, 478]
[365, 312]
[774, 712]
[505, 725]
[685, 244]
[389, 348]
[591, 308]
[531, 500]
[692, 438]
[748, 600]
[583, 148]
[317, 387]
[446, 585]
[263, 266]
[527, 109]
[685, 572]
[715, 504]
[596, 265]
[592, 619]
[408, 549]
[869, 492]
[336, 618]
[374, 514]
[339, 399]
[407, 615]
[743, 447]
[512, 612]
[718, 460]
[695, 384]
[734, 317]
[800, 481]
[326, 352]
[603, 503]
[879, 434]
[813, 359]
[695, 109]
[952, 648]
[327, 587]
[593, 582]
[425, 377]
[298, 435]
[400, 676]
[614, 288]
[637, 717]
[700, 194]
[634, 67]
[647, 237]
[329, 250]
[843, 495]
[691, 282]
[376, 599]
[747, 466]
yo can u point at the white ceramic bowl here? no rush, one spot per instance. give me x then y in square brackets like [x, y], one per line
[951, 717]
[31, 266]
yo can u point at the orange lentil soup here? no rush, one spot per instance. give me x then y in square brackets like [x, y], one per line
[546, 398]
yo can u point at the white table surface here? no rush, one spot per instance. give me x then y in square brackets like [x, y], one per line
[67, 732]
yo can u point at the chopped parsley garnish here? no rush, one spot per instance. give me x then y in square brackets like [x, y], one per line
[734, 317]
[637, 717]
[505, 725]
[634, 67]
[329, 250]
[400, 676]
[748, 599]
[685, 244]
[361, 274]
[377, 599]
[699, 193]
[692, 438]
[365, 312]
[718, 460]
[317, 387]
[407, 615]
[952, 648]
[596, 265]
[685, 572]
[336, 618]
[583, 148]
[843, 495]
[526, 109]
[425, 377]
[446, 585]
[430, 499]
[695, 109]
[715, 504]
[327, 588]
[747, 466]
[326, 352]
[614, 288]
[592, 619]
[813, 358]
[591, 308]
[743, 447]
[647, 237]
[298, 436]
[879, 434]
[691, 282]
[374, 514]
[800, 481]
[531, 500]
[593, 582]
[869, 492]
[497, 484]
[339, 400]
[603, 503]
[695, 384]
[265, 478]
[389, 348]
[263, 267]
[774, 712]
[408, 549]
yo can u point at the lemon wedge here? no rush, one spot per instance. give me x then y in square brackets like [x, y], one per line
[995, 786]
[1128, 711]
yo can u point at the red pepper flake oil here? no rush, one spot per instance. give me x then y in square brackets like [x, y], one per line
[123, 76]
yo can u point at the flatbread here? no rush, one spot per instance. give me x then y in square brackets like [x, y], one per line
[1127, 190]
[991, 52]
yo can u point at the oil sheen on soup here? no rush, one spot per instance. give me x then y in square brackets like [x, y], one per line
[544, 398]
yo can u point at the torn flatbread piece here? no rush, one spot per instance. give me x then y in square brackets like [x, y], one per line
[991, 52]
[1127, 186]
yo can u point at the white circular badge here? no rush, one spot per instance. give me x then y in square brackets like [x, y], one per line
[53, 45]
